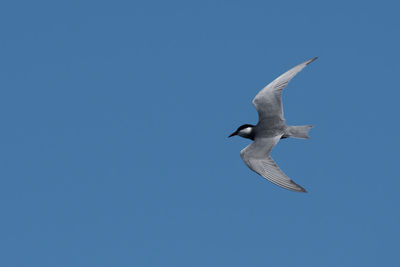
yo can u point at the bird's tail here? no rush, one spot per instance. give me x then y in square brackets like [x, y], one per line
[299, 131]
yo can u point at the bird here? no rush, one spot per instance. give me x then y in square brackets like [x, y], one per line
[271, 127]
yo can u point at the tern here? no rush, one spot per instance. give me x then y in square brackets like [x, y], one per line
[271, 127]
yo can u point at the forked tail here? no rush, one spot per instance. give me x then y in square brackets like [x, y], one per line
[298, 131]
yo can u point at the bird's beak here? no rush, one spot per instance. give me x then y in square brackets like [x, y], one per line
[233, 134]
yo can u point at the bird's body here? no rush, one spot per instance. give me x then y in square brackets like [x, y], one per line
[271, 127]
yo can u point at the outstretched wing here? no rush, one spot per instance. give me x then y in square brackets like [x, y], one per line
[257, 158]
[268, 101]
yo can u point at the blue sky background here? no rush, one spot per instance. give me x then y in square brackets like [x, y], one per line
[114, 123]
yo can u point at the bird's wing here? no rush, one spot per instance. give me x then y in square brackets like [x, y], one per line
[257, 158]
[268, 101]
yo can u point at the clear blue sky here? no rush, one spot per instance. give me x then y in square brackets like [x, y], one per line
[114, 123]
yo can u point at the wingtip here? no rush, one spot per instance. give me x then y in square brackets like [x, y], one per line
[311, 60]
[302, 190]
[299, 187]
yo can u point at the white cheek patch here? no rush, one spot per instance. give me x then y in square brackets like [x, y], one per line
[246, 130]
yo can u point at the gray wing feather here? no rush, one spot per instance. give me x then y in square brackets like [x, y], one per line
[268, 101]
[257, 158]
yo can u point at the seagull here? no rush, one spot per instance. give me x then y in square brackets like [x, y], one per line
[271, 127]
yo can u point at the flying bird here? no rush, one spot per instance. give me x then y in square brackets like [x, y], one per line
[271, 127]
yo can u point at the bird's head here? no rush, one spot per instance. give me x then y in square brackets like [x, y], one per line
[246, 131]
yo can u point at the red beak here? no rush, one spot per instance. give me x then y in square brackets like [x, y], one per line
[233, 134]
